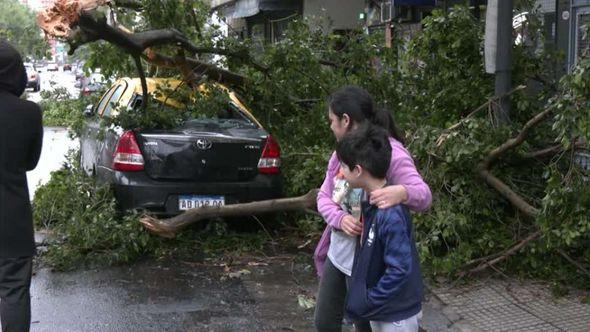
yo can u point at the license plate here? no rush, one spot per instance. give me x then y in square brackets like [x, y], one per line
[187, 202]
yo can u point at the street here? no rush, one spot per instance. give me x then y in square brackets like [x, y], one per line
[52, 80]
[56, 142]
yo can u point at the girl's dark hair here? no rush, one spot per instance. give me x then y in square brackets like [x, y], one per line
[358, 104]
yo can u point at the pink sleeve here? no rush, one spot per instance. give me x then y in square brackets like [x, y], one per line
[331, 211]
[403, 171]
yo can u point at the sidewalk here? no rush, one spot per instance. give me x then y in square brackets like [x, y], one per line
[499, 305]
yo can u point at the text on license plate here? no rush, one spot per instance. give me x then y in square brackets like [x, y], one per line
[187, 202]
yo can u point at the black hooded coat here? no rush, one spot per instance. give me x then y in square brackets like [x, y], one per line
[21, 137]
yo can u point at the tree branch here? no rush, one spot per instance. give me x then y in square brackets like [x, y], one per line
[443, 136]
[511, 143]
[131, 4]
[484, 167]
[144, 89]
[170, 227]
[573, 262]
[484, 170]
[198, 67]
[510, 251]
[93, 26]
[552, 150]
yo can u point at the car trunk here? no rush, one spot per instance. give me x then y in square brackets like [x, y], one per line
[206, 150]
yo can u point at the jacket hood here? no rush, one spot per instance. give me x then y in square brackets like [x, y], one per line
[13, 76]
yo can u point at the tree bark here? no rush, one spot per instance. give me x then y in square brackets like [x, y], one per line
[144, 89]
[484, 167]
[170, 227]
[484, 170]
[510, 251]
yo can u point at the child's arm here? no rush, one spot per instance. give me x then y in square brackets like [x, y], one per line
[397, 258]
[331, 211]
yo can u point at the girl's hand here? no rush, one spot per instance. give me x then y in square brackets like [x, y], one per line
[350, 225]
[389, 196]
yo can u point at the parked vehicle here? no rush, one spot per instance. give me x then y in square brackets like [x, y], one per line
[52, 66]
[67, 66]
[80, 76]
[92, 84]
[33, 78]
[209, 161]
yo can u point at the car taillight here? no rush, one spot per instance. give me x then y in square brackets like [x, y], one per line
[33, 76]
[127, 154]
[270, 161]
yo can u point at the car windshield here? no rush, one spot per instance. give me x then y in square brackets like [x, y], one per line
[230, 117]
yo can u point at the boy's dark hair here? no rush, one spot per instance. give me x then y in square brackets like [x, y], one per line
[369, 147]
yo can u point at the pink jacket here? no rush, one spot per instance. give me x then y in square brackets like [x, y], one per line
[401, 171]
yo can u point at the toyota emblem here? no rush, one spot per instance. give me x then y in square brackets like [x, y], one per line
[203, 144]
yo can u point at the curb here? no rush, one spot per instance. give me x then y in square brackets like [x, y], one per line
[456, 320]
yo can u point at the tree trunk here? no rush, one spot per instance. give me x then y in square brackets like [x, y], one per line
[170, 227]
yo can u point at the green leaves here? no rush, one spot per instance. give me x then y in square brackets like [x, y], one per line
[60, 109]
[86, 226]
[18, 25]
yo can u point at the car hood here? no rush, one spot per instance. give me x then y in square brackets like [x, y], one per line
[13, 76]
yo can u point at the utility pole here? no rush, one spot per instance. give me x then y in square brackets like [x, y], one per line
[498, 54]
[387, 15]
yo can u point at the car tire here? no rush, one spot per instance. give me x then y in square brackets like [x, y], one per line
[37, 87]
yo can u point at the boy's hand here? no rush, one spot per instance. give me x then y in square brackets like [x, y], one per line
[389, 196]
[350, 225]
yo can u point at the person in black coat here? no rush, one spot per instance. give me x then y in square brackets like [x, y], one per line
[21, 137]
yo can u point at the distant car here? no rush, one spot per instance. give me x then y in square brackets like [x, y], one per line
[52, 66]
[215, 160]
[33, 78]
[92, 84]
[67, 66]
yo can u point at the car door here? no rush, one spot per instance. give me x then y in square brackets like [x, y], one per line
[90, 134]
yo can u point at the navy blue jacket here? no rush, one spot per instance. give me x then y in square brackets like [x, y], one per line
[386, 281]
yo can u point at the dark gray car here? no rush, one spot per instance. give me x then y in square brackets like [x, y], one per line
[219, 160]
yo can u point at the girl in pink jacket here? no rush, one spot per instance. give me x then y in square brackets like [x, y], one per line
[350, 107]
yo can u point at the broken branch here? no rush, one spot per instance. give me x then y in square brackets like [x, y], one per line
[443, 136]
[144, 89]
[508, 252]
[170, 227]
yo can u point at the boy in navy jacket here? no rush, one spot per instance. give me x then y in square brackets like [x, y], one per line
[386, 286]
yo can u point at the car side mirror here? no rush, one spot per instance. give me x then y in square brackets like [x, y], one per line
[89, 110]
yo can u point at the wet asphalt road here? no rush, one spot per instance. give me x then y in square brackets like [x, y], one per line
[179, 296]
[256, 294]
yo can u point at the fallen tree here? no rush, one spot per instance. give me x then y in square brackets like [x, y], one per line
[170, 227]
[498, 190]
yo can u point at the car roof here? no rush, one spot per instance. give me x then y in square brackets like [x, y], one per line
[154, 83]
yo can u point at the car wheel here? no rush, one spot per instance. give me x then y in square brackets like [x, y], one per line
[37, 87]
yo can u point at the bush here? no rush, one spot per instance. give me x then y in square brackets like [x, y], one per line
[86, 226]
[88, 230]
[60, 109]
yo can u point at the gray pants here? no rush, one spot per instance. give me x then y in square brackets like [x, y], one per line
[406, 325]
[15, 298]
[329, 309]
